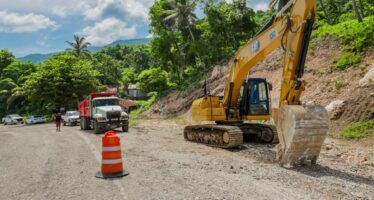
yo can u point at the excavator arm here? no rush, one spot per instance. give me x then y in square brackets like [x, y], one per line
[289, 30]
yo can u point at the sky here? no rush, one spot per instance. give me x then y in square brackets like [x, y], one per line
[43, 26]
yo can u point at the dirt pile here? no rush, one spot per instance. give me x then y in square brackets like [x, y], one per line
[179, 102]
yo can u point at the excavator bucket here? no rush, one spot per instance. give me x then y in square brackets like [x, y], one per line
[302, 131]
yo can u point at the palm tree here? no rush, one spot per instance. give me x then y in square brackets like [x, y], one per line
[79, 45]
[8, 95]
[181, 15]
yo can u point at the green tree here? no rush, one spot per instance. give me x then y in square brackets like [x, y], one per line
[118, 51]
[128, 77]
[14, 75]
[225, 28]
[18, 71]
[181, 16]
[109, 68]
[6, 96]
[79, 45]
[154, 80]
[139, 58]
[167, 42]
[63, 80]
[6, 57]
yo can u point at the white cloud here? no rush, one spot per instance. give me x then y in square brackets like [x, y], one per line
[60, 8]
[107, 31]
[59, 11]
[18, 23]
[42, 41]
[124, 9]
[261, 6]
[255, 4]
[149, 36]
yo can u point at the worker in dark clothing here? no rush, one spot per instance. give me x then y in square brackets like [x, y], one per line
[58, 120]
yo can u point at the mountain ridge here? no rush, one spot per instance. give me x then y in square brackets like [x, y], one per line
[39, 57]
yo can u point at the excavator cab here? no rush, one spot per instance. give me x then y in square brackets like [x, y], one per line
[255, 97]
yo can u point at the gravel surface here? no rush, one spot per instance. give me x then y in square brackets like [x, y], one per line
[38, 163]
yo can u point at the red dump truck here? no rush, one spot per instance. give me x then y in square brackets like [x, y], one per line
[101, 111]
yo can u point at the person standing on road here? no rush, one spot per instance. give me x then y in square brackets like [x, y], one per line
[58, 120]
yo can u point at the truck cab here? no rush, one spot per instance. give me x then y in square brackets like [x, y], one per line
[101, 112]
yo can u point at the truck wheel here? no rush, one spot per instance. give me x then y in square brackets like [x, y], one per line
[81, 123]
[87, 123]
[63, 123]
[125, 128]
[96, 127]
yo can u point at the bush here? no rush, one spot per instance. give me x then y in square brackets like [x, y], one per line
[192, 77]
[347, 59]
[358, 130]
[353, 35]
[154, 80]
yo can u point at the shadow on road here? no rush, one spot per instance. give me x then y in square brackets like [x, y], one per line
[267, 154]
[321, 171]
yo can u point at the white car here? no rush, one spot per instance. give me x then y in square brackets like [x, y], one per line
[35, 119]
[12, 119]
[71, 118]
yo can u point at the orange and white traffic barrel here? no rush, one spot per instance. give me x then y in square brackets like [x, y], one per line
[111, 165]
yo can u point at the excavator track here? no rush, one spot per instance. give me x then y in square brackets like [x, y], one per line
[230, 136]
[214, 135]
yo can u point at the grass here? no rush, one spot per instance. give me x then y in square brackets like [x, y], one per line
[144, 105]
[337, 84]
[358, 130]
[353, 35]
[133, 122]
[347, 59]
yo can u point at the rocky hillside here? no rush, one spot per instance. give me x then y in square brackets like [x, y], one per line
[348, 95]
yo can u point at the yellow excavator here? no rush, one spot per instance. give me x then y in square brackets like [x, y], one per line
[299, 129]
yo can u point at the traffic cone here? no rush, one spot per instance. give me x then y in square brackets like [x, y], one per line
[111, 165]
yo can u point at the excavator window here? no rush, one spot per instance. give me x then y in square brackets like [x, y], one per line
[258, 97]
[254, 97]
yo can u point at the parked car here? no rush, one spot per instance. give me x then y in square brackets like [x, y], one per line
[70, 118]
[35, 119]
[12, 119]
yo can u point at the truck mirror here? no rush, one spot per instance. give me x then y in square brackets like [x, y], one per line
[270, 86]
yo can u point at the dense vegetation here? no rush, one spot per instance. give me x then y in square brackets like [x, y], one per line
[183, 49]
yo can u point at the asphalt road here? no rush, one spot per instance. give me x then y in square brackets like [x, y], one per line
[36, 162]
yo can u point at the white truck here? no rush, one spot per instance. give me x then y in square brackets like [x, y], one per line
[70, 118]
[101, 111]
